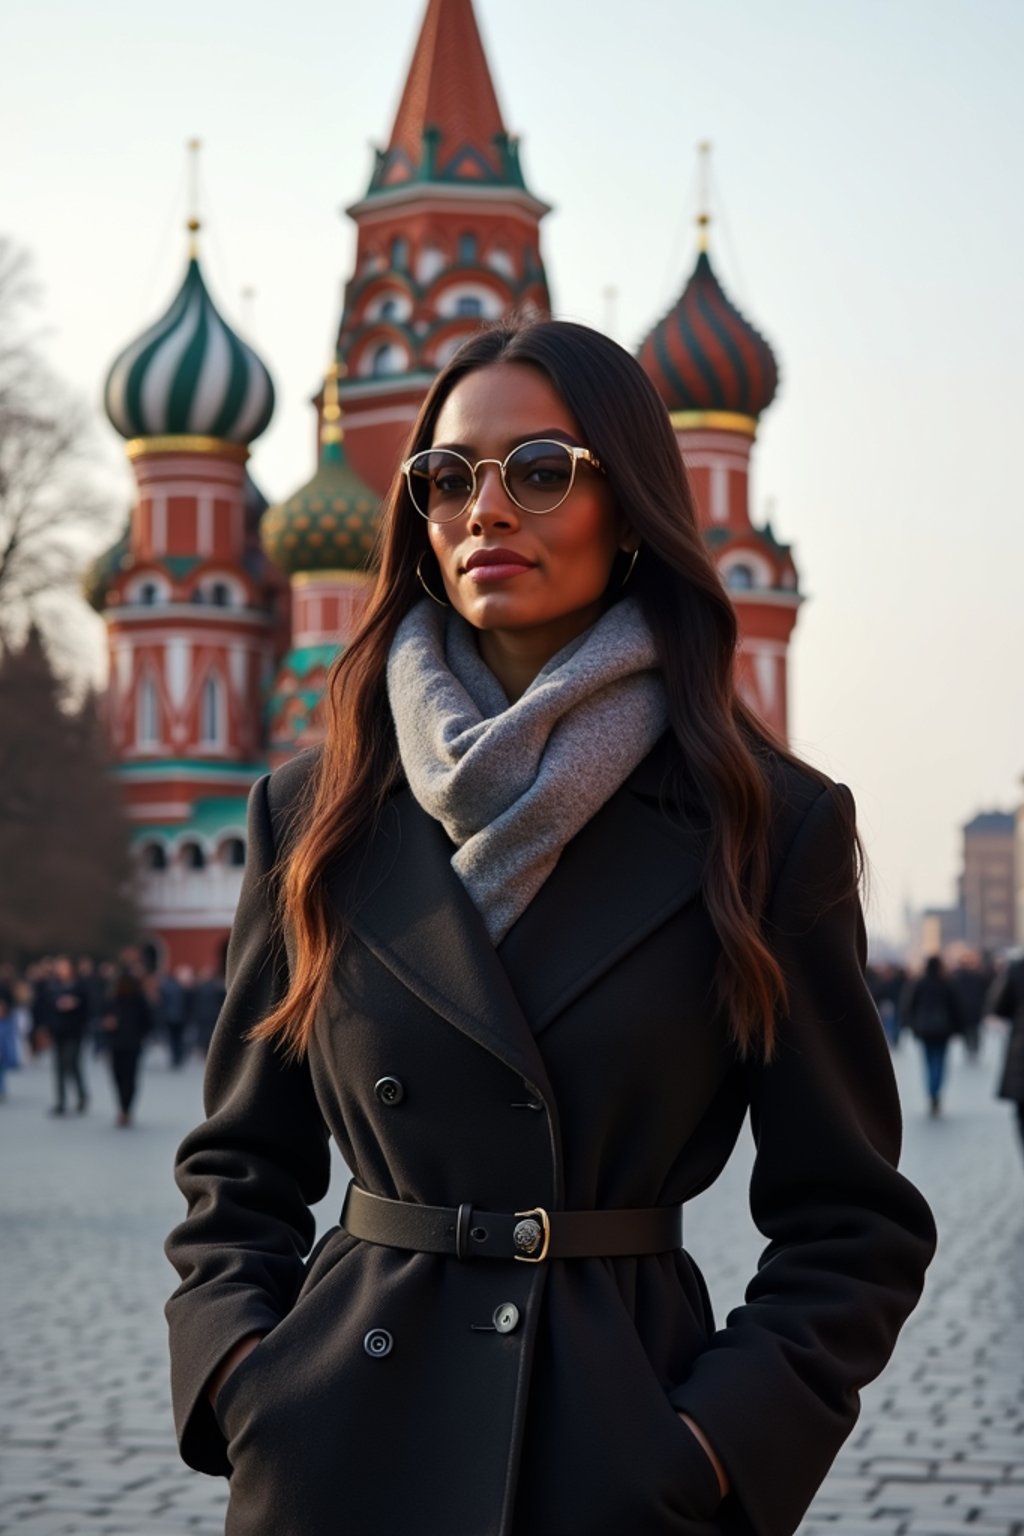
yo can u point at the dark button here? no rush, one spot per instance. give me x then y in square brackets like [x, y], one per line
[378, 1343]
[506, 1316]
[389, 1090]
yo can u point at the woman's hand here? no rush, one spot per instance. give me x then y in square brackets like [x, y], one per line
[233, 1358]
[698, 1435]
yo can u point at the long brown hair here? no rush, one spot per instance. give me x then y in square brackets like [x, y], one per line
[724, 750]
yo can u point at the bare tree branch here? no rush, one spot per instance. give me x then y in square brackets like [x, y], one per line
[52, 514]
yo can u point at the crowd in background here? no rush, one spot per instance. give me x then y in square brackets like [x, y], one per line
[79, 1008]
[75, 1009]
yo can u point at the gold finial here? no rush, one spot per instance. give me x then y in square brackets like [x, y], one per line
[704, 193]
[193, 224]
[331, 429]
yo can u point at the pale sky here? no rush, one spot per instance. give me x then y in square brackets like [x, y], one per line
[868, 171]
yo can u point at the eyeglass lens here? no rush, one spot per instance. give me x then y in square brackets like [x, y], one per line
[538, 477]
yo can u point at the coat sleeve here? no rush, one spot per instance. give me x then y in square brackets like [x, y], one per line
[249, 1173]
[849, 1239]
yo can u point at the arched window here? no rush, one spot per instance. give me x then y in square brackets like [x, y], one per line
[740, 578]
[153, 856]
[192, 856]
[387, 359]
[232, 852]
[211, 721]
[399, 253]
[147, 718]
[389, 309]
[148, 593]
[468, 304]
[220, 594]
[467, 248]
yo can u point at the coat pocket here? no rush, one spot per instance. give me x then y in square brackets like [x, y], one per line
[328, 1252]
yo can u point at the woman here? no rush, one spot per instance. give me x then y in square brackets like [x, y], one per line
[126, 1023]
[933, 1012]
[544, 919]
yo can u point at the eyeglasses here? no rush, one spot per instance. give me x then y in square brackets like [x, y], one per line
[537, 477]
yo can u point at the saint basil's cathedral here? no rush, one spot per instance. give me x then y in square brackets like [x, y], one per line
[223, 614]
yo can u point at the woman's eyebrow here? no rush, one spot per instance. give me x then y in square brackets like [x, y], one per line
[540, 435]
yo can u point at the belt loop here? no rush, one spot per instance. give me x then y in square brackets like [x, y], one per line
[462, 1221]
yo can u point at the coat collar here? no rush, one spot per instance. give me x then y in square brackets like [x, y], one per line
[616, 881]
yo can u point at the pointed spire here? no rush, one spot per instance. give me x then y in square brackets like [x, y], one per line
[448, 123]
[703, 194]
[194, 224]
[331, 430]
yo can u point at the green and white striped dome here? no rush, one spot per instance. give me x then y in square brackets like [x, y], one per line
[189, 374]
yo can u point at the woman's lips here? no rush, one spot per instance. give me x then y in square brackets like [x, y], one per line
[486, 565]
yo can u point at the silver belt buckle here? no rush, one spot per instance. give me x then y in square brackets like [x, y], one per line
[531, 1231]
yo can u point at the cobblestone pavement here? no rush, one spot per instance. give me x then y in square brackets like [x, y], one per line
[85, 1433]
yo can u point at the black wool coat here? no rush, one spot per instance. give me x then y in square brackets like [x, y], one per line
[579, 1065]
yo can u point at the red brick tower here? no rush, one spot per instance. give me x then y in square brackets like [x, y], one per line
[448, 235]
[193, 611]
[716, 374]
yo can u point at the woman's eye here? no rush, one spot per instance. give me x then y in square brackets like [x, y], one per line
[451, 483]
[547, 474]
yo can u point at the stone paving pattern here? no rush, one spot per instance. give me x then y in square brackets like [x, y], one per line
[86, 1446]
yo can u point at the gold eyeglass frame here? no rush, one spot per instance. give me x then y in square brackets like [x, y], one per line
[575, 452]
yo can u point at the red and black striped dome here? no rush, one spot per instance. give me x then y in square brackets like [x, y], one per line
[704, 356]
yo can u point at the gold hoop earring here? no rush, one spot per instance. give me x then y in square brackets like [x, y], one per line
[632, 562]
[441, 603]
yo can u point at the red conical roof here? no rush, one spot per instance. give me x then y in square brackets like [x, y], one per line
[448, 88]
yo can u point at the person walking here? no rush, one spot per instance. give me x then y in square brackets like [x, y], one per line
[10, 1058]
[67, 1015]
[126, 1024]
[1006, 1001]
[207, 1001]
[933, 1014]
[172, 1005]
[547, 915]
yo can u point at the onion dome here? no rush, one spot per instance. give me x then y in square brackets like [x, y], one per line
[331, 523]
[189, 374]
[104, 568]
[705, 356]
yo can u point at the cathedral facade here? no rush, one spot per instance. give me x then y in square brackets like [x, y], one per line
[224, 614]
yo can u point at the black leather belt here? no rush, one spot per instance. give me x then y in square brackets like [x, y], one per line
[469, 1233]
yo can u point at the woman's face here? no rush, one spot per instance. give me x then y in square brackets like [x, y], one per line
[558, 562]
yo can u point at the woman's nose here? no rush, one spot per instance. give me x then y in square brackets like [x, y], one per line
[491, 505]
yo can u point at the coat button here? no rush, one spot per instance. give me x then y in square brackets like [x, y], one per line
[389, 1090]
[378, 1342]
[506, 1316]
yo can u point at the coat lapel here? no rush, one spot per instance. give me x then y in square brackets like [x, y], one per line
[624, 875]
[410, 908]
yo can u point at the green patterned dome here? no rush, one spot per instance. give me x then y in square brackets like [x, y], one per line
[190, 375]
[103, 569]
[331, 523]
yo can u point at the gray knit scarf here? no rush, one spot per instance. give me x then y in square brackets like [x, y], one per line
[512, 783]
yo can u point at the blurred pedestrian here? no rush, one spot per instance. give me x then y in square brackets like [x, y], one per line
[971, 980]
[67, 1012]
[207, 1001]
[94, 991]
[172, 1015]
[932, 1013]
[1006, 1001]
[9, 1057]
[127, 1022]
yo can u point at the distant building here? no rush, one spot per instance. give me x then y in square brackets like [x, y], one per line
[938, 929]
[989, 890]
